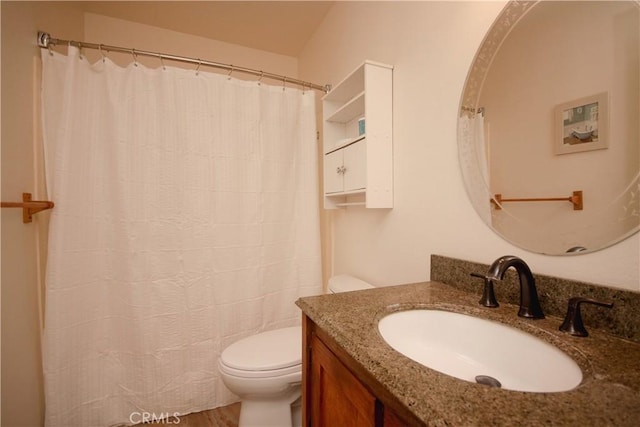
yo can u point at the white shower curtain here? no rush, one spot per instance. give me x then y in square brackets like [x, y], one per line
[186, 218]
[472, 152]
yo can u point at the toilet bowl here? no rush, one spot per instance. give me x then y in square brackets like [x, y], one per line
[265, 370]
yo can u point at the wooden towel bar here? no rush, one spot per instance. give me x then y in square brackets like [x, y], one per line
[575, 199]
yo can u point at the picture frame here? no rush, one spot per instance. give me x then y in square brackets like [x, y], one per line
[582, 124]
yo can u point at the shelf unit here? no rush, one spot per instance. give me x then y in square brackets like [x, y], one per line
[358, 167]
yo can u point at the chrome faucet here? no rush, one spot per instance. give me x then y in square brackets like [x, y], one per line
[529, 303]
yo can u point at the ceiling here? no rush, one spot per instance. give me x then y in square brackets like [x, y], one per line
[282, 27]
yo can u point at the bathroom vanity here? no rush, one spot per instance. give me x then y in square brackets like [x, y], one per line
[352, 377]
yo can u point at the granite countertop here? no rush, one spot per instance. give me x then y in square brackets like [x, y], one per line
[609, 394]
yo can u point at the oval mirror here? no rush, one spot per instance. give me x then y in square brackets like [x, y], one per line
[549, 125]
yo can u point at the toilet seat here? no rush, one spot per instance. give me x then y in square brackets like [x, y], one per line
[267, 354]
[295, 369]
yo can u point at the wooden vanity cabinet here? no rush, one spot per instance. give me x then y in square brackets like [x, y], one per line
[333, 390]
[339, 398]
[391, 419]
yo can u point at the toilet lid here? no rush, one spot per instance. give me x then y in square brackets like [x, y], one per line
[277, 349]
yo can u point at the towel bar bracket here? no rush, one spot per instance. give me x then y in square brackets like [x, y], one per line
[29, 207]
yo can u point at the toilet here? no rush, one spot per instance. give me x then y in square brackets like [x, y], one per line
[265, 370]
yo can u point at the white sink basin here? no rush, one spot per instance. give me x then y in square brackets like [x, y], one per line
[479, 350]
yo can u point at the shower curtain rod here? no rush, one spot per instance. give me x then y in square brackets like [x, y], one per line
[46, 41]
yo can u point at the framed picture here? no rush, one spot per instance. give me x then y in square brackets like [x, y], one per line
[582, 125]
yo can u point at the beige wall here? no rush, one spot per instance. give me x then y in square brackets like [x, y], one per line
[22, 395]
[431, 45]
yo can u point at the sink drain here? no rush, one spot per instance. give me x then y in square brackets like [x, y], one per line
[487, 380]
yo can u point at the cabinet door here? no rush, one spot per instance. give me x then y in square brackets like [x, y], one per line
[355, 166]
[333, 175]
[392, 420]
[338, 398]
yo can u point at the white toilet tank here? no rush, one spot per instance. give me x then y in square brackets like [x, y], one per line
[347, 283]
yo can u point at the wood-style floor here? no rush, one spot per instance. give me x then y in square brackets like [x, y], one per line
[225, 416]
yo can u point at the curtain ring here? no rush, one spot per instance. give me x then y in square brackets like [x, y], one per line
[135, 57]
[162, 62]
[260, 79]
[104, 57]
[50, 49]
[79, 50]
[198, 67]
[284, 82]
[230, 71]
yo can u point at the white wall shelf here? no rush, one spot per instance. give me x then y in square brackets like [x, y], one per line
[358, 168]
[353, 109]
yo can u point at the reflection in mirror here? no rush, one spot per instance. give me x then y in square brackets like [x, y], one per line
[551, 107]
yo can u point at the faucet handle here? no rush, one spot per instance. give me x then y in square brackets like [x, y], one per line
[488, 296]
[573, 319]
